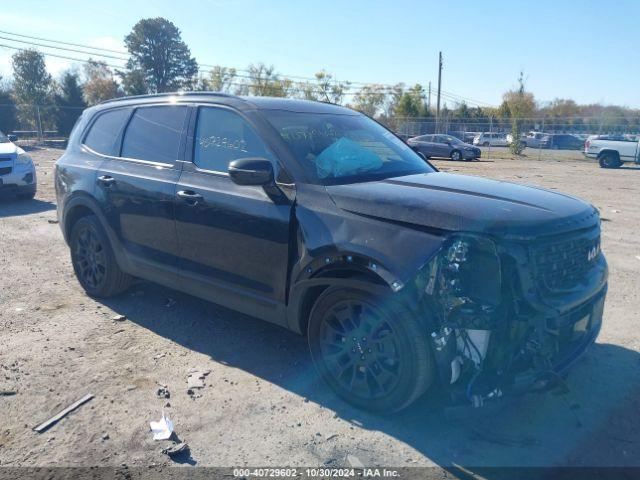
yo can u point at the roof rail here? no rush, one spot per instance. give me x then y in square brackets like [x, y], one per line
[167, 94]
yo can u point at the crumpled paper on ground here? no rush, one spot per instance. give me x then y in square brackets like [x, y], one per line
[162, 429]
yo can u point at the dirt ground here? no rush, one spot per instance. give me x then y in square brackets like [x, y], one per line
[263, 403]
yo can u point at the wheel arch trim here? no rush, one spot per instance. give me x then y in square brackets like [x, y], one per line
[84, 201]
[608, 151]
[305, 292]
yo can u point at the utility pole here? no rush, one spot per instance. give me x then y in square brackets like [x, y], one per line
[439, 84]
[429, 98]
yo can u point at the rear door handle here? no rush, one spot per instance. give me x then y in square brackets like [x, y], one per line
[189, 196]
[106, 180]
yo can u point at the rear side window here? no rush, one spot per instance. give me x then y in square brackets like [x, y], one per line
[223, 136]
[105, 131]
[154, 133]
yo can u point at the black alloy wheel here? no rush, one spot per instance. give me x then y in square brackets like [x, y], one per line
[93, 260]
[360, 349]
[89, 258]
[372, 352]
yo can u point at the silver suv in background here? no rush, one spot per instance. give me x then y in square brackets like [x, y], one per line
[532, 139]
[491, 139]
[17, 172]
[444, 146]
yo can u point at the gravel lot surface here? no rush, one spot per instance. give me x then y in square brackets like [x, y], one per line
[262, 403]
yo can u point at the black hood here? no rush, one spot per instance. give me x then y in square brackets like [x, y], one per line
[458, 203]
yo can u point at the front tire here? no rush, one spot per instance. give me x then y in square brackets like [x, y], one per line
[373, 352]
[94, 262]
[456, 155]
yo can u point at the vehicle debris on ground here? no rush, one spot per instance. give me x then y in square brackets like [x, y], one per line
[63, 413]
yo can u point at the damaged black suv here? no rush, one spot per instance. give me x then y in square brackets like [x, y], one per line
[314, 217]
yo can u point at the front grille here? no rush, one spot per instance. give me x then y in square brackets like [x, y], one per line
[563, 264]
[5, 170]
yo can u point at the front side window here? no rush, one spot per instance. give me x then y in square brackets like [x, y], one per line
[154, 133]
[344, 148]
[105, 131]
[223, 136]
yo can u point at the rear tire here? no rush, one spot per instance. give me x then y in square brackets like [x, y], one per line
[609, 160]
[456, 155]
[373, 352]
[93, 260]
[27, 196]
[485, 144]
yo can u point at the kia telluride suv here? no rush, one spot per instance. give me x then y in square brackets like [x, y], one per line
[405, 280]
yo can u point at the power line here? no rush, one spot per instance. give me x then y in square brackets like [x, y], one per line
[62, 48]
[81, 60]
[64, 43]
[347, 84]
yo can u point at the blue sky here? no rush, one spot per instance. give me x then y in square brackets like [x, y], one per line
[585, 50]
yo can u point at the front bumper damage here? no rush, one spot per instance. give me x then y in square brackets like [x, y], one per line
[512, 340]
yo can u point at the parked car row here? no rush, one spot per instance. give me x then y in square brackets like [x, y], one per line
[452, 143]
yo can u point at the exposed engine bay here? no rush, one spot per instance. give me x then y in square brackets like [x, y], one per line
[488, 339]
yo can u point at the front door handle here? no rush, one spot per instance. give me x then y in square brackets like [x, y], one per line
[189, 196]
[106, 180]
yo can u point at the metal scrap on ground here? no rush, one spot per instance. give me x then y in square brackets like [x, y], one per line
[195, 379]
[176, 449]
[44, 426]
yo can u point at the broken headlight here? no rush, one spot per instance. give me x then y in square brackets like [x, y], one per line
[462, 290]
[465, 282]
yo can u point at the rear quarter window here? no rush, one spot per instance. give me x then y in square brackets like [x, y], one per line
[154, 133]
[105, 131]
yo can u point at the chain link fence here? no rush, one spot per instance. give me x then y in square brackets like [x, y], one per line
[541, 137]
[38, 125]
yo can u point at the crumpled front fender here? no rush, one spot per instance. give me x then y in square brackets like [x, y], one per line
[376, 255]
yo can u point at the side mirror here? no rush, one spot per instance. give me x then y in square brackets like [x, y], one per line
[251, 171]
[424, 157]
[12, 137]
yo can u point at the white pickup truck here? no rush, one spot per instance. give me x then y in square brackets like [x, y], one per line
[613, 152]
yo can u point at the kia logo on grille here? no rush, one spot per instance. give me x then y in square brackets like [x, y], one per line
[593, 252]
